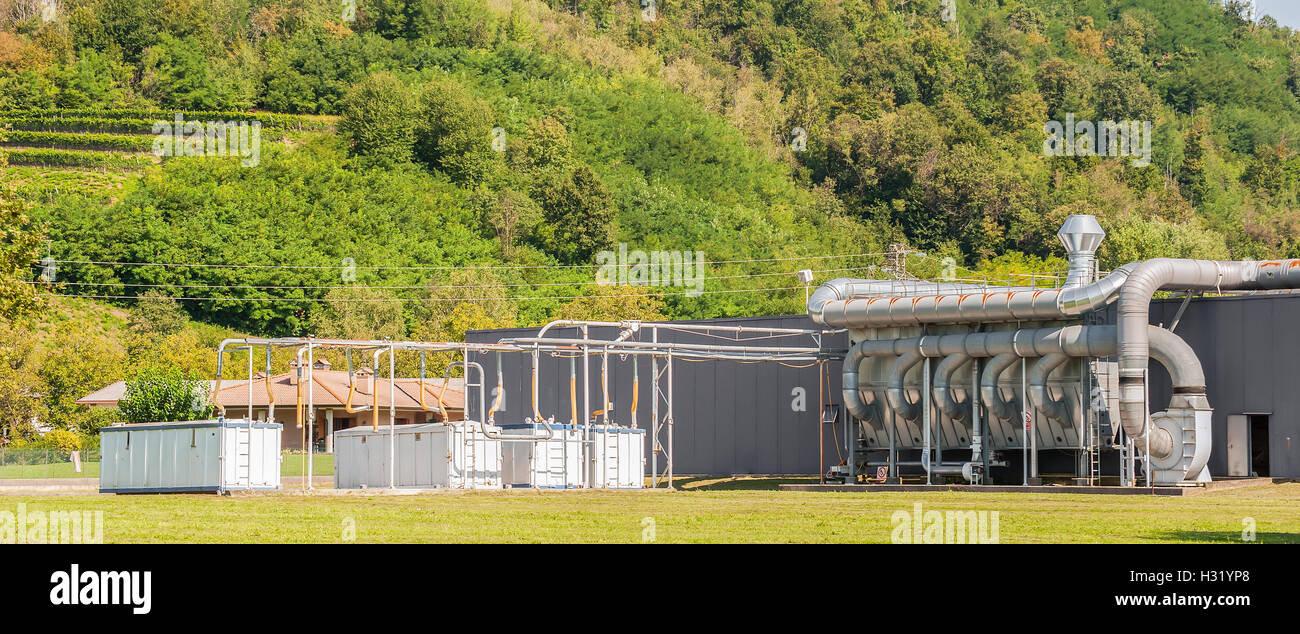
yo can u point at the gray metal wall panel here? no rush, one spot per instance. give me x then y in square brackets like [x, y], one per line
[730, 417]
[736, 418]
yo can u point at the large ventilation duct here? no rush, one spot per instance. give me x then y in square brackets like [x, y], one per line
[845, 303]
[998, 407]
[1178, 439]
[897, 392]
[943, 392]
[1038, 392]
[1135, 343]
[860, 409]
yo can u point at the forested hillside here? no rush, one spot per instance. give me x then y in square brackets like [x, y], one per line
[466, 160]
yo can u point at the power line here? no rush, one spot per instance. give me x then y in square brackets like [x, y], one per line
[440, 268]
[434, 299]
[420, 286]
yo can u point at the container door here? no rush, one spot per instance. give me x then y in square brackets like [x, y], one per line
[1238, 446]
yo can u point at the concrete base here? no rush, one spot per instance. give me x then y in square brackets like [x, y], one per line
[1175, 491]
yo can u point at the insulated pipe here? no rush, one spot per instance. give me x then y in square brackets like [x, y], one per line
[573, 392]
[298, 417]
[216, 385]
[896, 392]
[852, 394]
[537, 413]
[374, 390]
[992, 396]
[943, 393]
[853, 304]
[442, 409]
[270, 395]
[1039, 398]
[496, 401]
[636, 390]
[352, 388]
[1135, 315]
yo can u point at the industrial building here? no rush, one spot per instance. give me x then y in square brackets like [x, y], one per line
[1026, 383]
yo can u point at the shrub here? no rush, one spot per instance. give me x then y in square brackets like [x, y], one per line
[163, 395]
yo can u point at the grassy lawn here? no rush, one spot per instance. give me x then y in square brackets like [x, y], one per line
[730, 510]
[293, 464]
[53, 470]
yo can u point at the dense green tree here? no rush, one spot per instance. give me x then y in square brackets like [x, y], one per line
[455, 132]
[20, 242]
[378, 118]
[579, 215]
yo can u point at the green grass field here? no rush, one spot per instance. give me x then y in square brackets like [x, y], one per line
[728, 510]
[293, 464]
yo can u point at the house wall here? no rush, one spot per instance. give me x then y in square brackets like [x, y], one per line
[292, 437]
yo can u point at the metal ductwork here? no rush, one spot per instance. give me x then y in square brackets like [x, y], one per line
[853, 402]
[943, 392]
[896, 391]
[845, 303]
[1177, 441]
[998, 407]
[1056, 409]
[1183, 425]
[1135, 314]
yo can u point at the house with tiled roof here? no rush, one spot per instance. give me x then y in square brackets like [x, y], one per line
[329, 392]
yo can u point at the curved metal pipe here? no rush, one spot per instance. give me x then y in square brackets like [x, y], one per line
[496, 401]
[943, 393]
[850, 387]
[896, 393]
[1134, 318]
[374, 390]
[442, 406]
[989, 392]
[865, 304]
[352, 387]
[270, 395]
[1039, 398]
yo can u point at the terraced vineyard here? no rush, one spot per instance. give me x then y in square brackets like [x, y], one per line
[115, 139]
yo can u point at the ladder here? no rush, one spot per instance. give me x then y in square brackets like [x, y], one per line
[1097, 381]
[243, 458]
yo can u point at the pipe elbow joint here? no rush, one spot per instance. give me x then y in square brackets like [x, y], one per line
[828, 291]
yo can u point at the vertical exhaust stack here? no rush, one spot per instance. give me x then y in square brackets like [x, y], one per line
[1081, 235]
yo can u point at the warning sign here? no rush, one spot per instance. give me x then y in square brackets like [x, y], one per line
[882, 473]
[1029, 420]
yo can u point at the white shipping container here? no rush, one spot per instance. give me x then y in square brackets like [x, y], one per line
[428, 456]
[212, 455]
[544, 464]
[617, 457]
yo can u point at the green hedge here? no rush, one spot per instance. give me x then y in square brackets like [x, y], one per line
[74, 158]
[135, 119]
[80, 140]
